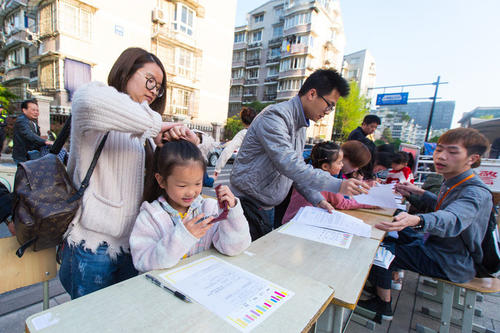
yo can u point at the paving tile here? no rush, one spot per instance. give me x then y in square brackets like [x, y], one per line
[14, 321]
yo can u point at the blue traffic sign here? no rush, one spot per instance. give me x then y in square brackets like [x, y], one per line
[392, 99]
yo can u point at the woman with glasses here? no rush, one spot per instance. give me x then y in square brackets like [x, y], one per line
[96, 250]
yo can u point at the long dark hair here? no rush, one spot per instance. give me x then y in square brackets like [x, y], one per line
[170, 155]
[324, 152]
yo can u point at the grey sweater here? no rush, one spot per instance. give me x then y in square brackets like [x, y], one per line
[457, 229]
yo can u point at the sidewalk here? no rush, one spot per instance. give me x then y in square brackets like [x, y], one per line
[18, 305]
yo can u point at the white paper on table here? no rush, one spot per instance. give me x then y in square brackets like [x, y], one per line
[383, 257]
[381, 195]
[43, 321]
[317, 234]
[239, 297]
[336, 221]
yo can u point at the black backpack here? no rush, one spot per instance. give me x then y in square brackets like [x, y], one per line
[5, 202]
[491, 249]
[256, 217]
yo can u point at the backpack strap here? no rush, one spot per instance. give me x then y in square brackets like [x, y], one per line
[86, 180]
[61, 139]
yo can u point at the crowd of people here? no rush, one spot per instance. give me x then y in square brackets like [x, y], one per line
[143, 209]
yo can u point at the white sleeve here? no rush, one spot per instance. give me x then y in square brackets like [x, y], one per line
[234, 144]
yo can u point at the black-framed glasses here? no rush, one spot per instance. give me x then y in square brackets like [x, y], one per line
[152, 84]
[329, 106]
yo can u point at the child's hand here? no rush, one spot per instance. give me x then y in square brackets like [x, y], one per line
[198, 230]
[225, 194]
[326, 205]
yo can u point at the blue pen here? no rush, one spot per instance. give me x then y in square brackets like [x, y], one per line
[174, 292]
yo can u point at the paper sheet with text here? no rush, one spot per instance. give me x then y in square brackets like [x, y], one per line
[239, 297]
[317, 234]
[338, 221]
[380, 195]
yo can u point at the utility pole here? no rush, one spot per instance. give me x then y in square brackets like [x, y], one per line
[432, 109]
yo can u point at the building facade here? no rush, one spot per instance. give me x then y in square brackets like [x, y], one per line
[360, 67]
[282, 44]
[57, 45]
[400, 125]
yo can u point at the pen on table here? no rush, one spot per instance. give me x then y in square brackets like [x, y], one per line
[174, 292]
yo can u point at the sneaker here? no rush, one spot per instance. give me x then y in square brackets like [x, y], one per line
[396, 285]
[378, 306]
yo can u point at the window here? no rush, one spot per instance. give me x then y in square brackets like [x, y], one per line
[273, 70]
[184, 63]
[12, 22]
[75, 20]
[167, 57]
[253, 73]
[278, 12]
[237, 73]
[257, 36]
[278, 31]
[181, 100]
[258, 18]
[294, 84]
[238, 56]
[252, 55]
[184, 19]
[250, 91]
[235, 91]
[274, 52]
[292, 63]
[46, 19]
[48, 74]
[239, 37]
[298, 19]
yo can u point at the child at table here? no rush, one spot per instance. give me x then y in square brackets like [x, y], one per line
[170, 223]
[400, 172]
[328, 157]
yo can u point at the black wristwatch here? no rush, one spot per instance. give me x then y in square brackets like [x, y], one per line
[420, 224]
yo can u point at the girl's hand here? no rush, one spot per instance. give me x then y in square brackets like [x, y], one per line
[198, 230]
[326, 205]
[225, 194]
[216, 174]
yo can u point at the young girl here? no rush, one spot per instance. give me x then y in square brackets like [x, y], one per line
[400, 172]
[172, 227]
[328, 157]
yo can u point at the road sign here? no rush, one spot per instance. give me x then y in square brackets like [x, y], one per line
[392, 99]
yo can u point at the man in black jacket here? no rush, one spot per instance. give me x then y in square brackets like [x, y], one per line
[27, 132]
[369, 125]
[3, 124]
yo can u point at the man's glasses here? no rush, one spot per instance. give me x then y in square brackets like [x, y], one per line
[329, 106]
[152, 84]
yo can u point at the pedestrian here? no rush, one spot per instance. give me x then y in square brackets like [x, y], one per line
[96, 251]
[270, 158]
[170, 225]
[3, 124]
[27, 132]
[368, 127]
[247, 114]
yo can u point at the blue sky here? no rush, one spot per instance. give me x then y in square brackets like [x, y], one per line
[415, 41]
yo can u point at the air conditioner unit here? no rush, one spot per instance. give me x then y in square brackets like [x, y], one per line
[158, 16]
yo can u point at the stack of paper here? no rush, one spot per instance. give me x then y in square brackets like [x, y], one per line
[383, 257]
[319, 225]
[380, 195]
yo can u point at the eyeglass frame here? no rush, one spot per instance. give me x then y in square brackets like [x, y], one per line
[157, 86]
[329, 107]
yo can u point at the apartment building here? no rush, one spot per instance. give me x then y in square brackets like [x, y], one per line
[360, 67]
[54, 46]
[401, 126]
[282, 44]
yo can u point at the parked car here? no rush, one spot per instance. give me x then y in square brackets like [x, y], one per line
[213, 155]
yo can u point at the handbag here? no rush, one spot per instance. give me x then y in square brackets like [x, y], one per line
[45, 199]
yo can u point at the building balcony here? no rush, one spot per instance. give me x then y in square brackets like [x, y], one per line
[298, 29]
[253, 62]
[270, 97]
[256, 45]
[235, 99]
[275, 41]
[249, 98]
[238, 63]
[273, 60]
[18, 36]
[296, 49]
[285, 95]
[293, 73]
[167, 33]
[20, 72]
[249, 82]
[272, 79]
[239, 46]
[238, 81]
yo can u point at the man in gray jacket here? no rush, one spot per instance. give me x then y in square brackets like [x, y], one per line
[270, 157]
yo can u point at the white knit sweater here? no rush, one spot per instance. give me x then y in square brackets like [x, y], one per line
[111, 202]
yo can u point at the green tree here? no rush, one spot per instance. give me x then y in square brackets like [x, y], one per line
[386, 133]
[233, 126]
[6, 97]
[257, 105]
[349, 113]
[434, 139]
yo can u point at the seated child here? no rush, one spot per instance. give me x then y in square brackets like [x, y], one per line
[355, 156]
[328, 157]
[400, 172]
[454, 230]
[169, 226]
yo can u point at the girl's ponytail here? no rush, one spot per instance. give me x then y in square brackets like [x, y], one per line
[151, 188]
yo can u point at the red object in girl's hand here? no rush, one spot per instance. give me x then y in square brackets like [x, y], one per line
[223, 207]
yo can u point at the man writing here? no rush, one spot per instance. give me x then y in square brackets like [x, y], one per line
[454, 230]
[27, 132]
[270, 157]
